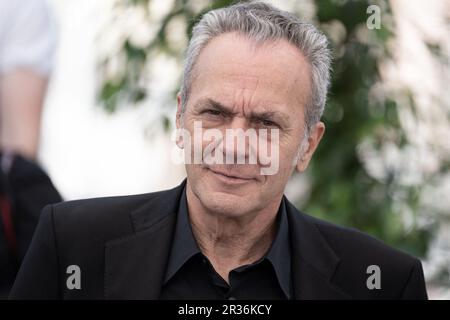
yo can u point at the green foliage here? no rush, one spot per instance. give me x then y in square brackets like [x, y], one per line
[342, 190]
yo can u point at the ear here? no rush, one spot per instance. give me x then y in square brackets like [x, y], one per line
[314, 138]
[178, 122]
[179, 114]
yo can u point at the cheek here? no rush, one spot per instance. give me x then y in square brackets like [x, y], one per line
[288, 151]
[189, 121]
[196, 173]
[284, 170]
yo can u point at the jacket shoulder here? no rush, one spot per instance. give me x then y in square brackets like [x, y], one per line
[350, 243]
[76, 233]
[97, 220]
[96, 210]
[361, 255]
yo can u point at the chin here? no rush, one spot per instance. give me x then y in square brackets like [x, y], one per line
[226, 204]
[223, 197]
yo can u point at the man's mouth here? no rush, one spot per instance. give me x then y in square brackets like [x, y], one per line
[230, 177]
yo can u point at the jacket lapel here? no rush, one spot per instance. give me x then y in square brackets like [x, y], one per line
[313, 261]
[135, 265]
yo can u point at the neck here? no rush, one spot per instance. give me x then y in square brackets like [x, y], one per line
[230, 242]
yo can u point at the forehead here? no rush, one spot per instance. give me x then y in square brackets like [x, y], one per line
[233, 67]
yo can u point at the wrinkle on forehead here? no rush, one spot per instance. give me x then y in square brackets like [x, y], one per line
[244, 82]
[231, 67]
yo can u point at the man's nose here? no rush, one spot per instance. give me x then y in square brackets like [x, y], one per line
[238, 122]
[237, 141]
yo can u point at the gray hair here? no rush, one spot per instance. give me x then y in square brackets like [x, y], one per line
[261, 22]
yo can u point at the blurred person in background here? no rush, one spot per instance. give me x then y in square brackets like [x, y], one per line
[27, 44]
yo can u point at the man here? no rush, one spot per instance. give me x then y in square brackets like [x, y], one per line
[227, 232]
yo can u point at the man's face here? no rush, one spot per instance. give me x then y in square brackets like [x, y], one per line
[237, 85]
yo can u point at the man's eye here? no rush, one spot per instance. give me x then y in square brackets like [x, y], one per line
[213, 112]
[268, 123]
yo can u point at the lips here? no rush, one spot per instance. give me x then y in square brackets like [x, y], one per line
[231, 175]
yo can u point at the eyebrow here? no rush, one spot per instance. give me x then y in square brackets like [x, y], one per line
[210, 103]
[264, 115]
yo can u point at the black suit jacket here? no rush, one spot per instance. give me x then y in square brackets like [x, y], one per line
[122, 244]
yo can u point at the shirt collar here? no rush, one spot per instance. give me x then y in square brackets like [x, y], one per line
[279, 253]
[185, 246]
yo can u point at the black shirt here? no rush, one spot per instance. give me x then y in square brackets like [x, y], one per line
[190, 275]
